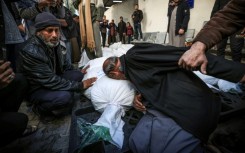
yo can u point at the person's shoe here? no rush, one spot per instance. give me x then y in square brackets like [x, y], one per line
[45, 117]
[141, 39]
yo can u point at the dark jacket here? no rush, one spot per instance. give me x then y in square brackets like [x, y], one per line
[218, 5]
[224, 23]
[182, 16]
[70, 30]
[176, 92]
[112, 29]
[38, 67]
[138, 16]
[103, 27]
[121, 27]
[129, 31]
[2, 29]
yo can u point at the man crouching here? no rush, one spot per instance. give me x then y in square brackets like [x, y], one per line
[52, 79]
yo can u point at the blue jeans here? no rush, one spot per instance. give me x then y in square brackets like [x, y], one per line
[46, 101]
[157, 133]
[137, 31]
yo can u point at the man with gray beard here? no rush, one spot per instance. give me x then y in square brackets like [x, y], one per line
[52, 79]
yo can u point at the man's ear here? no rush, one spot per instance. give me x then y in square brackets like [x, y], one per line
[38, 33]
[111, 75]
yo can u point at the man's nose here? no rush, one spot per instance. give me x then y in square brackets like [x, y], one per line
[55, 34]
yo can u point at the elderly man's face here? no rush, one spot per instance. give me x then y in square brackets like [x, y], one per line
[50, 36]
[117, 73]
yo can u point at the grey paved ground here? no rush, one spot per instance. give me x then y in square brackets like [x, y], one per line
[52, 137]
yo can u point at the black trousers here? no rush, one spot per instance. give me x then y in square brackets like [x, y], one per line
[122, 38]
[12, 124]
[103, 38]
[236, 45]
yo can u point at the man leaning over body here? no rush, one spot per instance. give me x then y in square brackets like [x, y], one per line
[181, 109]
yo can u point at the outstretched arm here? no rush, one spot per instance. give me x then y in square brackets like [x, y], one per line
[222, 24]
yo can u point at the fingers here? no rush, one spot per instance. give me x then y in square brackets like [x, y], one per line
[6, 77]
[89, 82]
[4, 66]
[192, 59]
[138, 103]
[84, 70]
[204, 67]
[180, 62]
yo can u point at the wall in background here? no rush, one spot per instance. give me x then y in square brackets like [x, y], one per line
[155, 13]
[124, 9]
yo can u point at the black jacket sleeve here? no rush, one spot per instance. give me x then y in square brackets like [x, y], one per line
[38, 71]
[225, 69]
[186, 16]
[167, 57]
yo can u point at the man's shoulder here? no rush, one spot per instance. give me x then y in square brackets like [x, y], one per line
[32, 47]
[26, 3]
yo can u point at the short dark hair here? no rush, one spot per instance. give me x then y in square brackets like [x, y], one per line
[110, 64]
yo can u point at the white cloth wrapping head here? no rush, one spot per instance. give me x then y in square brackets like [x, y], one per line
[110, 91]
[117, 49]
[113, 98]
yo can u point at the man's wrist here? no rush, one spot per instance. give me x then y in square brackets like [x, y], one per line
[200, 46]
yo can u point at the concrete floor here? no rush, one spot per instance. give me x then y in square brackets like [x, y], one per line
[52, 137]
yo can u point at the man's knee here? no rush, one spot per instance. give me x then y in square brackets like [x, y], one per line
[48, 101]
[64, 98]
[73, 75]
[63, 104]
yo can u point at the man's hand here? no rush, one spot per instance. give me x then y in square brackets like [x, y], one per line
[194, 58]
[138, 103]
[89, 82]
[181, 31]
[45, 3]
[243, 80]
[6, 74]
[21, 28]
[243, 32]
[84, 70]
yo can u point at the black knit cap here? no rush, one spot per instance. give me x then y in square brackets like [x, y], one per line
[44, 20]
